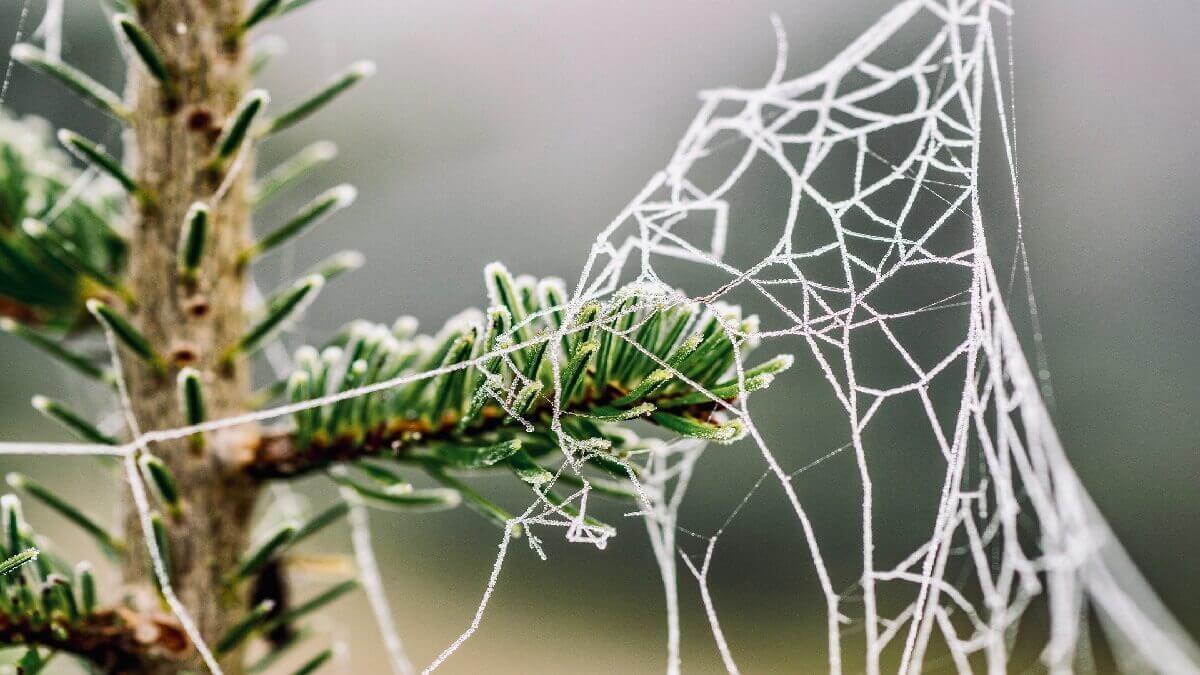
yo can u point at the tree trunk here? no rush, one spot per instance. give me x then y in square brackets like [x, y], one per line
[168, 148]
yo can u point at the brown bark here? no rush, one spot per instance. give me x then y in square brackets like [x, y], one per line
[169, 146]
[276, 455]
[118, 641]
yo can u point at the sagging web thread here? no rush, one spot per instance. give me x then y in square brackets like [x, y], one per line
[797, 126]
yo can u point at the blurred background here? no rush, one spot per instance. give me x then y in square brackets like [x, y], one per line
[515, 131]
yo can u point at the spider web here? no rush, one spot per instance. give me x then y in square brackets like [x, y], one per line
[830, 275]
[898, 117]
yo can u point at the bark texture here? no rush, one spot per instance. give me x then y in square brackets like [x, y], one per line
[169, 146]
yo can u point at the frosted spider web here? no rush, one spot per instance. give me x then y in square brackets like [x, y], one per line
[1015, 518]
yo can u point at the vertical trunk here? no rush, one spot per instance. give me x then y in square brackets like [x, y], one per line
[168, 147]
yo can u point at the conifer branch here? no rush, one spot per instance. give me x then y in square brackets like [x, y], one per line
[642, 355]
[115, 640]
[47, 604]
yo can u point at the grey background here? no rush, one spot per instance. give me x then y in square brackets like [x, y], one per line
[514, 131]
